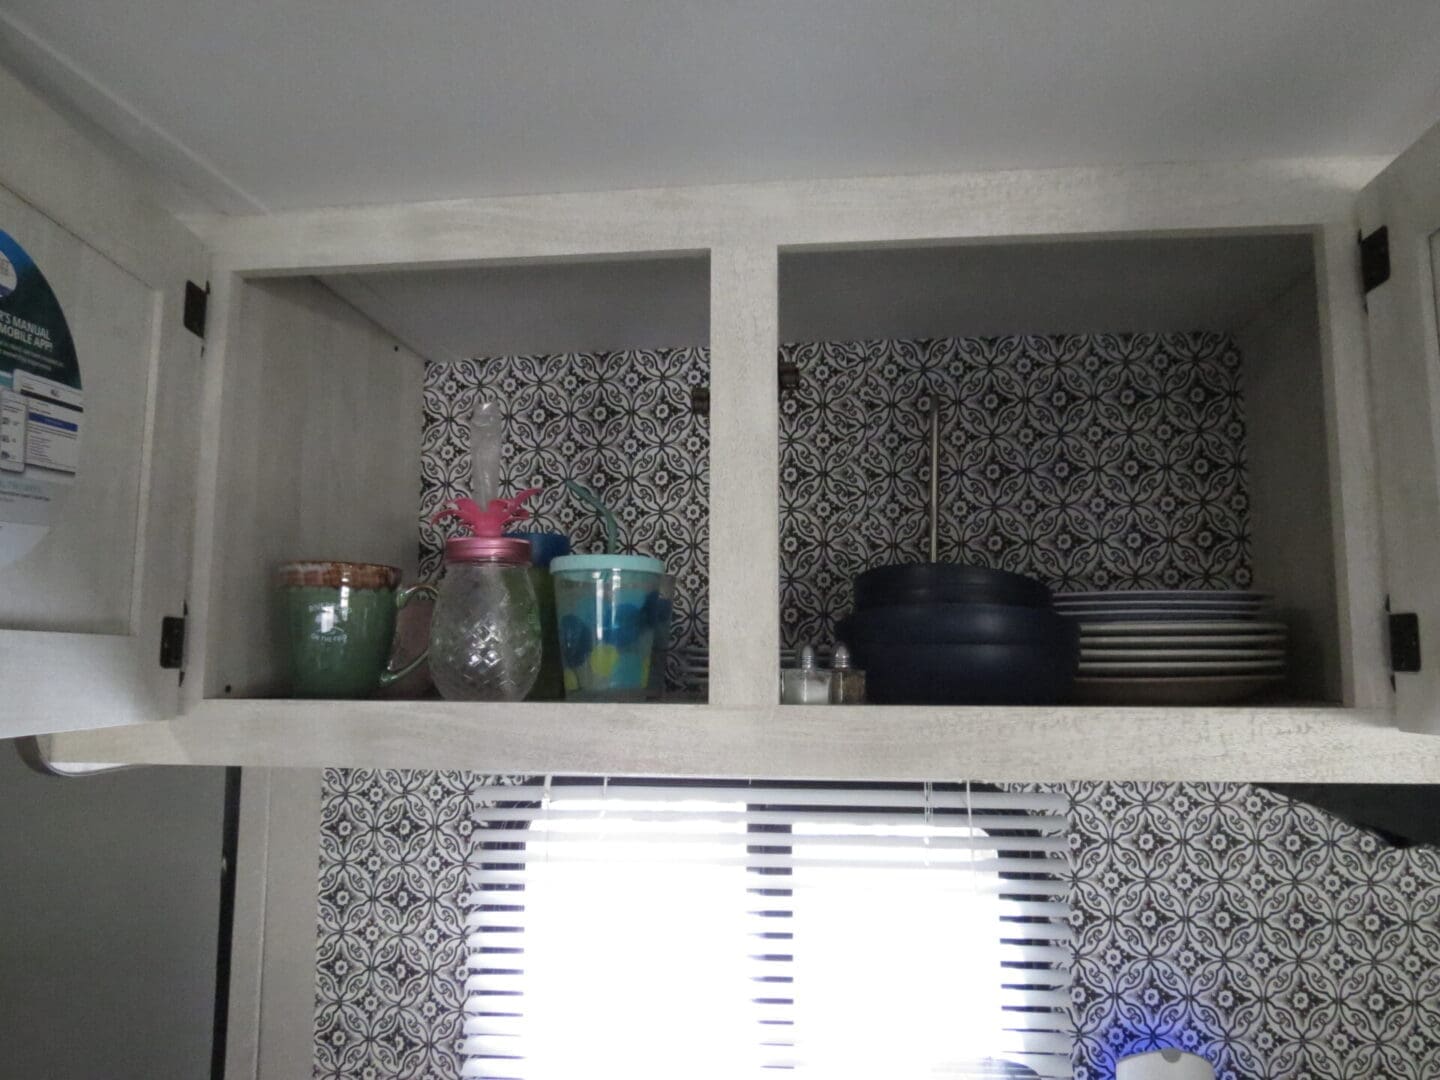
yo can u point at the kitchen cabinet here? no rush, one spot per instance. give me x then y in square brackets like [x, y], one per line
[306, 428]
[81, 617]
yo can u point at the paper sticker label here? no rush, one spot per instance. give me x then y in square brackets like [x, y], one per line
[42, 405]
[13, 419]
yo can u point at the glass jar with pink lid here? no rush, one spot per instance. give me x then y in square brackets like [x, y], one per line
[485, 639]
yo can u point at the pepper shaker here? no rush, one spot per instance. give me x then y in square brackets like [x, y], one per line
[847, 684]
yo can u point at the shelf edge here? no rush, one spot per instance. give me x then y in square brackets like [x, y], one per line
[1313, 744]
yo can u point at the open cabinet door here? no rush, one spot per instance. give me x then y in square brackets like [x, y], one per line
[99, 386]
[1404, 200]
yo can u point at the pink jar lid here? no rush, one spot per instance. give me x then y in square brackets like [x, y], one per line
[512, 550]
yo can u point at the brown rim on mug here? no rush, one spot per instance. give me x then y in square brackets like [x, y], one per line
[332, 574]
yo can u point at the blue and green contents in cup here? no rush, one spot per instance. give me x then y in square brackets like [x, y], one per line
[611, 610]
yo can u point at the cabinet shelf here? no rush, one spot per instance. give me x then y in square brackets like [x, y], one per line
[1282, 743]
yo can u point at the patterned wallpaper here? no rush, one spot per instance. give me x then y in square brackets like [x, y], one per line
[389, 979]
[1263, 934]
[618, 423]
[1089, 461]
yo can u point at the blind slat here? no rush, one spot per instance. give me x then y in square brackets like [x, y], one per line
[836, 817]
[503, 993]
[562, 845]
[495, 1057]
[763, 795]
[505, 924]
[722, 856]
[496, 886]
[764, 908]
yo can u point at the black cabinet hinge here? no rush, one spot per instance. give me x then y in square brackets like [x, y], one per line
[172, 642]
[1404, 640]
[789, 376]
[197, 305]
[1375, 258]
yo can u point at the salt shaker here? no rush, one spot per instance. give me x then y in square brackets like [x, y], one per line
[805, 685]
[847, 684]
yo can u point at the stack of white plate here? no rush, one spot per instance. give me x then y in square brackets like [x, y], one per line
[1175, 647]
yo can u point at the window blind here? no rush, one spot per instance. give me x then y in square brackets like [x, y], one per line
[727, 930]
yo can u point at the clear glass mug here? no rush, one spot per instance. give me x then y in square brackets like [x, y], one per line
[485, 640]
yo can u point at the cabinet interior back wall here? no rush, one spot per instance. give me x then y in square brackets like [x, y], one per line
[617, 422]
[1088, 460]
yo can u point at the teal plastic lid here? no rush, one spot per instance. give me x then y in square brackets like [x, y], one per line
[635, 564]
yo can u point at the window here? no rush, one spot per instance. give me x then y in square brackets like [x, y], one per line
[723, 930]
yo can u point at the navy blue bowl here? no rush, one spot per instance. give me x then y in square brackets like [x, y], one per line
[946, 583]
[965, 673]
[937, 624]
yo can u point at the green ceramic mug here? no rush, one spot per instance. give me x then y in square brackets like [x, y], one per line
[338, 625]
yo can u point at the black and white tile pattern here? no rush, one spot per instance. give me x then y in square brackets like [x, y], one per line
[1269, 937]
[1090, 461]
[1263, 934]
[619, 423]
[390, 959]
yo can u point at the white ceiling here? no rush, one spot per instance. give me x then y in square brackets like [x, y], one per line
[1036, 287]
[278, 104]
